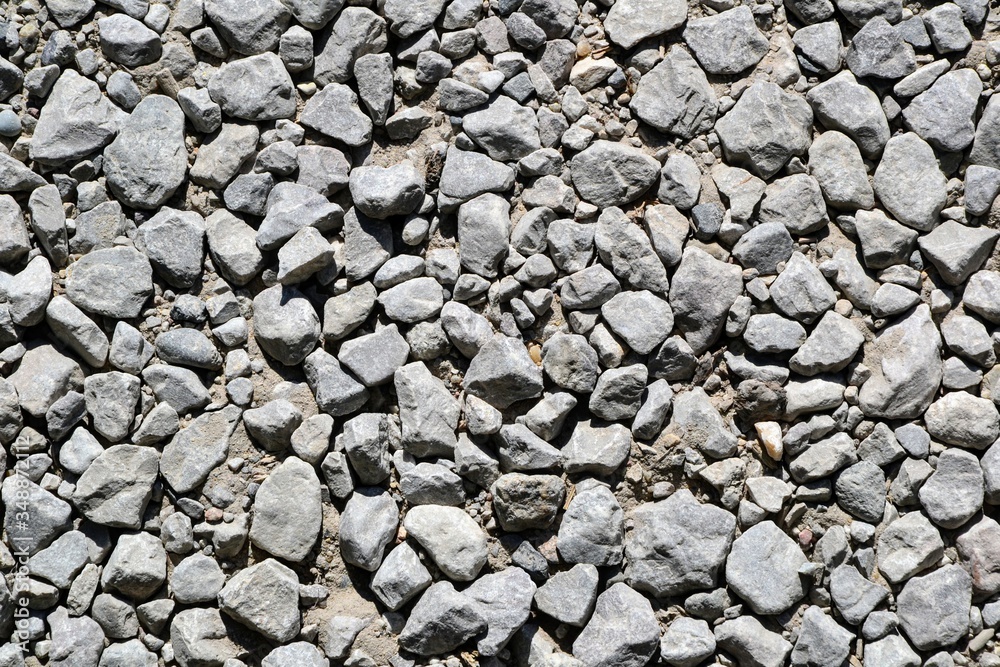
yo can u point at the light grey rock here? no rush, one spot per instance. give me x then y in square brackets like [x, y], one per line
[357, 31]
[296, 654]
[451, 537]
[382, 192]
[701, 319]
[596, 447]
[796, 202]
[431, 484]
[909, 182]
[75, 121]
[441, 621]
[137, 566]
[74, 328]
[906, 368]
[197, 449]
[674, 96]
[221, 155]
[114, 282]
[570, 362]
[750, 642]
[831, 346]
[504, 600]
[842, 104]
[249, 26]
[174, 242]
[908, 546]
[506, 130]
[503, 373]
[982, 294]
[956, 250]
[127, 41]
[630, 22]
[569, 596]
[609, 174]
[821, 640]
[337, 392]
[878, 50]
[265, 598]
[400, 577]
[726, 43]
[197, 578]
[854, 596]
[764, 247]
[954, 492]
[256, 88]
[199, 636]
[765, 128]
[117, 486]
[835, 162]
[428, 412]
[285, 324]
[147, 161]
[976, 546]
[963, 420]
[291, 488]
[623, 630]
[934, 609]
[952, 131]
[368, 524]
[111, 399]
[592, 529]
[75, 641]
[629, 252]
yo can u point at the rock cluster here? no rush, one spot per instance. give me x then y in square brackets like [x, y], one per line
[544, 333]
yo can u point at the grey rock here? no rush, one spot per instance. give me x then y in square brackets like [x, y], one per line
[174, 242]
[504, 600]
[413, 300]
[198, 636]
[835, 162]
[821, 44]
[428, 412]
[502, 373]
[221, 155]
[381, 192]
[934, 609]
[698, 423]
[909, 183]
[197, 105]
[955, 130]
[630, 22]
[701, 319]
[726, 43]
[623, 630]
[764, 247]
[147, 161]
[770, 333]
[674, 96]
[609, 174]
[618, 392]
[345, 312]
[256, 88]
[137, 567]
[442, 620]
[884, 242]
[831, 346]
[303, 255]
[976, 546]
[49, 516]
[127, 41]
[751, 643]
[957, 251]
[505, 130]
[292, 487]
[196, 450]
[75, 121]
[796, 202]
[291, 207]
[569, 596]
[375, 85]
[520, 449]
[823, 458]
[249, 26]
[265, 598]
[878, 50]
[906, 368]
[842, 104]
[592, 529]
[763, 569]
[400, 577]
[368, 524]
[526, 502]
[954, 492]
[273, 424]
[367, 244]
[908, 546]
[75, 641]
[180, 388]
[432, 484]
[117, 486]
[197, 578]
[981, 294]
[114, 282]
[596, 447]
[860, 491]
[74, 328]
[296, 654]
[313, 14]
[687, 642]
[678, 545]
[357, 31]
[588, 288]
[334, 112]
[111, 399]
[946, 27]
[285, 324]
[765, 128]
[337, 392]
[15, 176]
[373, 358]
[854, 596]
[629, 252]
[452, 538]
[48, 222]
[570, 362]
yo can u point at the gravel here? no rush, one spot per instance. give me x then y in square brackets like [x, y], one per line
[535, 332]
